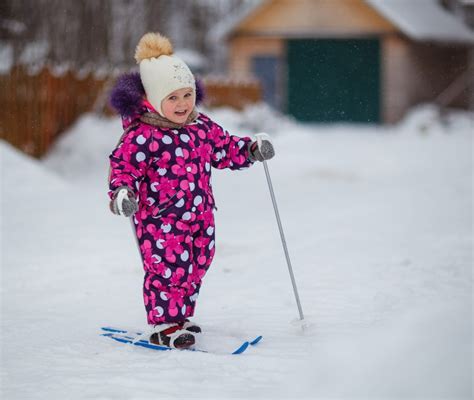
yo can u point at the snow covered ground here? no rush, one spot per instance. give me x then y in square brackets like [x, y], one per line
[378, 221]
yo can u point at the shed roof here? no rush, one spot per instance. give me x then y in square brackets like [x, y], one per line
[424, 20]
[421, 20]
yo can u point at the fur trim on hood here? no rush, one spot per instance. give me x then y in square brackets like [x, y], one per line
[127, 95]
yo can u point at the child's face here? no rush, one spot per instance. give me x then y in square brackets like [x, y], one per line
[178, 105]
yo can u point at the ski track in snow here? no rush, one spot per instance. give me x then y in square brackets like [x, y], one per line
[378, 222]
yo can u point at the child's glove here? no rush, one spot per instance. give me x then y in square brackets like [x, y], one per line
[262, 148]
[123, 202]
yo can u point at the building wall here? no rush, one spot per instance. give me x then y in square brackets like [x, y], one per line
[411, 72]
[243, 48]
[414, 73]
[396, 73]
[436, 66]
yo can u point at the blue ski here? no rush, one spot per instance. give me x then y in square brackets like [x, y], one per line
[122, 336]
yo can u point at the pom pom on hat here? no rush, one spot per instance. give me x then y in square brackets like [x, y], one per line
[152, 45]
[161, 72]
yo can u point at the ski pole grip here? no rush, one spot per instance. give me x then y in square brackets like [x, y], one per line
[121, 195]
[261, 137]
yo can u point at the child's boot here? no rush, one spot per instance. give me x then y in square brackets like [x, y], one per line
[191, 326]
[172, 335]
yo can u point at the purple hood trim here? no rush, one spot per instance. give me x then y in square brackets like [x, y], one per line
[127, 94]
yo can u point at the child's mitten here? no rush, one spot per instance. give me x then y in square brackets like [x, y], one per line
[123, 202]
[262, 148]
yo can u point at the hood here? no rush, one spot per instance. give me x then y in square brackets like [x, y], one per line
[128, 95]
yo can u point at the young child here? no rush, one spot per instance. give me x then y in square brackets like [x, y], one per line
[160, 172]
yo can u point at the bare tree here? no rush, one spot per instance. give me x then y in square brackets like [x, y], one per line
[104, 33]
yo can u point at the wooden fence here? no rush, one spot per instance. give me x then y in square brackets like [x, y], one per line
[221, 92]
[35, 109]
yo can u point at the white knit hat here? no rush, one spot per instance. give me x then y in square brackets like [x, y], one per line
[161, 72]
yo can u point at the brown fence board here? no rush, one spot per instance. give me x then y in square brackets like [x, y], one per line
[35, 109]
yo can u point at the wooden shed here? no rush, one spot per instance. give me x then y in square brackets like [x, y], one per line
[352, 60]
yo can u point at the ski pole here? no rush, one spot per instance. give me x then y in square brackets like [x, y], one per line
[260, 137]
[134, 233]
[120, 196]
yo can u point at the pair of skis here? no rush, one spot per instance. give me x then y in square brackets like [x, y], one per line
[133, 338]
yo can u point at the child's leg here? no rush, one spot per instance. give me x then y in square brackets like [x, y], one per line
[176, 257]
[203, 246]
[166, 302]
[170, 287]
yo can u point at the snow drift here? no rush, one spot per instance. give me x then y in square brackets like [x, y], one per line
[378, 224]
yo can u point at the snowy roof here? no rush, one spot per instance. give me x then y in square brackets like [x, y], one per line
[227, 25]
[424, 20]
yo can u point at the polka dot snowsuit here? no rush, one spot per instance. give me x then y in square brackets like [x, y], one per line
[169, 171]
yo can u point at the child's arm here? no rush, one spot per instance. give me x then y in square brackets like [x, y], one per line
[130, 160]
[230, 151]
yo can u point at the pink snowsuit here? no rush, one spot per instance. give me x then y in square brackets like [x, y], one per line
[169, 170]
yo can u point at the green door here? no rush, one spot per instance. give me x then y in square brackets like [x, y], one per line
[331, 80]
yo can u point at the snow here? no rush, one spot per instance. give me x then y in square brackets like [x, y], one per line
[424, 20]
[378, 221]
[34, 53]
[6, 57]
[194, 59]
